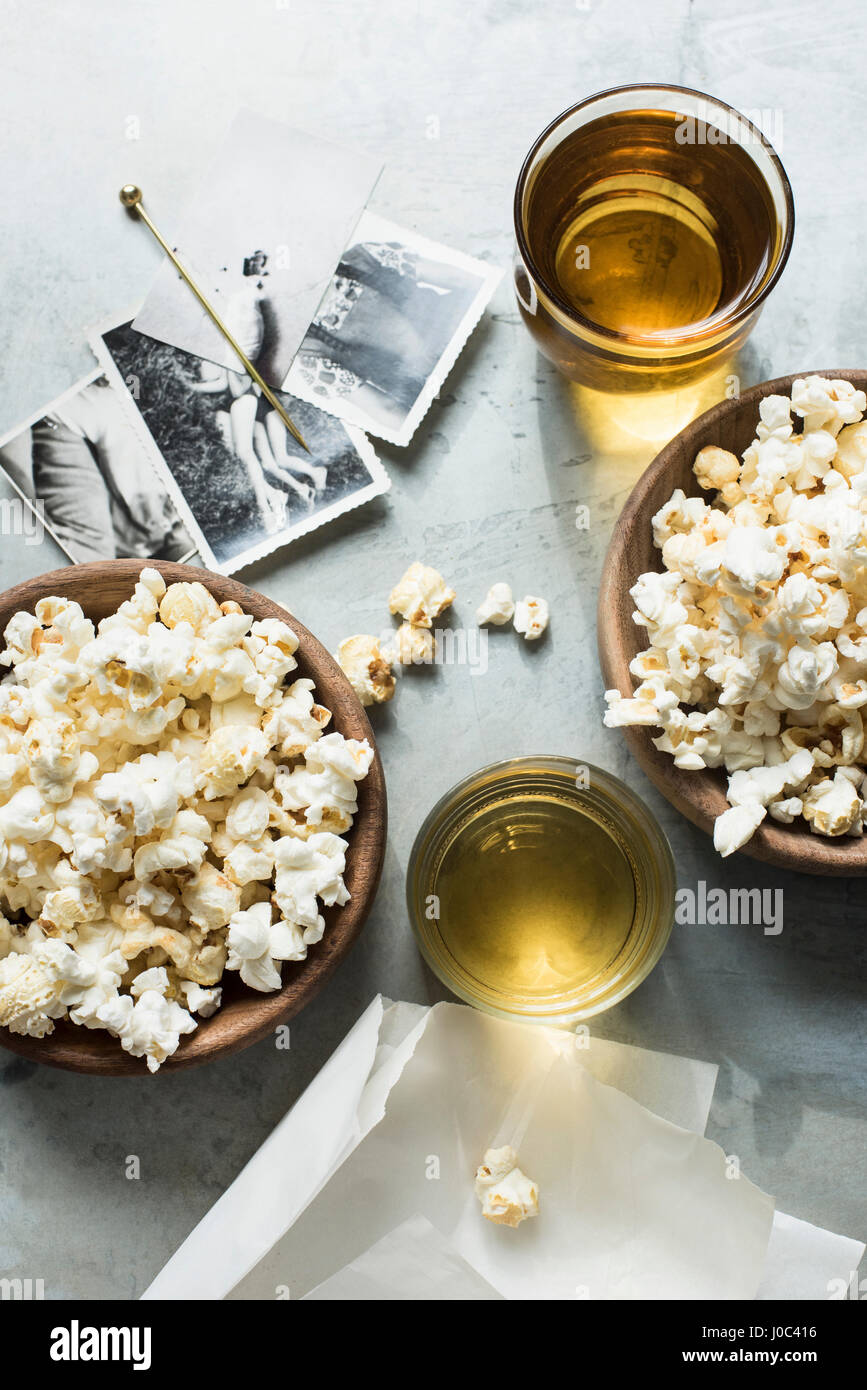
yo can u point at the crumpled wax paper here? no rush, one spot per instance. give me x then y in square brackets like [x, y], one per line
[253, 1245]
[807, 1263]
[413, 1262]
[633, 1204]
[416, 1262]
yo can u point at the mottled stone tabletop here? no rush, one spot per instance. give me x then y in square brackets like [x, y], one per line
[487, 489]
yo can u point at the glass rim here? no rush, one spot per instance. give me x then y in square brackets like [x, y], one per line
[654, 934]
[688, 332]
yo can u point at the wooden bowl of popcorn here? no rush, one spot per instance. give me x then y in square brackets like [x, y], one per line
[760, 675]
[192, 817]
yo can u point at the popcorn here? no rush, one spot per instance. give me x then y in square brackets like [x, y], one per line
[250, 951]
[325, 788]
[148, 791]
[271, 647]
[26, 817]
[249, 814]
[151, 1027]
[296, 722]
[531, 618]
[211, 898]
[190, 604]
[56, 760]
[758, 623]
[204, 1002]
[83, 985]
[412, 646]
[140, 819]
[27, 993]
[367, 668]
[250, 863]
[716, 468]
[138, 612]
[307, 870]
[421, 595]
[833, 806]
[507, 1195]
[497, 607]
[230, 757]
[66, 908]
[181, 848]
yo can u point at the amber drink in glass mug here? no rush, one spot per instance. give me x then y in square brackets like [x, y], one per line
[651, 225]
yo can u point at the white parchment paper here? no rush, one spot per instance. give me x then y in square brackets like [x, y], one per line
[410, 1263]
[806, 1263]
[632, 1206]
[369, 1176]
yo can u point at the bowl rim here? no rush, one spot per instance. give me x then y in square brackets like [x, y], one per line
[787, 847]
[367, 840]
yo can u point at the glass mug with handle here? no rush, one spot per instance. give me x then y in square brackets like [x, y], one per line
[651, 224]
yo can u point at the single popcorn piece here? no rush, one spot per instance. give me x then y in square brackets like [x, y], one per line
[497, 607]
[421, 595]
[229, 759]
[204, 1002]
[151, 1027]
[367, 668]
[507, 1195]
[140, 820]
[309, 871]
[325, 789]
[211, 898]
[27, 994]
[833, 807]
[250, 948]
[716, 468]
[757, 623]
[734, 827]
[412, 646]
[531, 618]
[191, 604]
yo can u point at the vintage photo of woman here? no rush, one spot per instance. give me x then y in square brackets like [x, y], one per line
[242, 482]
[96, 489]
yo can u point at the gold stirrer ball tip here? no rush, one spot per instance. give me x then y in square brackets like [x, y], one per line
[130, 195]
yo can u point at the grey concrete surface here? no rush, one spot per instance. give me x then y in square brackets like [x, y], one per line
[488, 489]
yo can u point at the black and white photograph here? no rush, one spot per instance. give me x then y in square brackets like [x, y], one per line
[82, 468]
[262, 248]
[241, 481]
[389, 329]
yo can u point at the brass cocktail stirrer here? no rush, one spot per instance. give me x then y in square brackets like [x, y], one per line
[131, 197]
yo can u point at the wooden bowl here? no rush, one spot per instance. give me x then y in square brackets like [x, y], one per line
[245, 1016]
[700, 796]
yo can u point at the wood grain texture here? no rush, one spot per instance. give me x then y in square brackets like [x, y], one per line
[245, 1016]
[700, 796]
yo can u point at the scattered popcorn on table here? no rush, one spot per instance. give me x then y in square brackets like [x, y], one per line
[507, 1195]
[758, 621]
[367, 668]
[531, 618]
[171, 808]
[497, 607]
[421, 595]
[412, 645]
